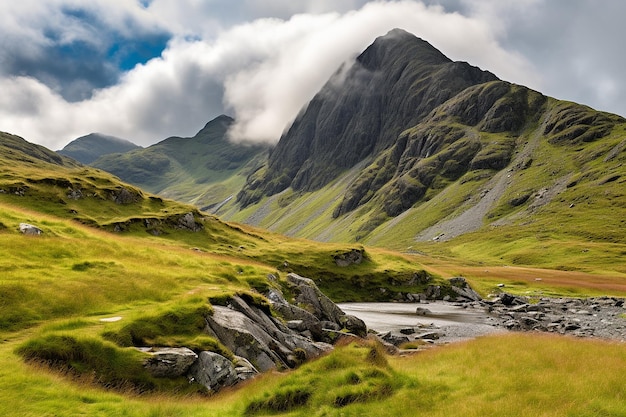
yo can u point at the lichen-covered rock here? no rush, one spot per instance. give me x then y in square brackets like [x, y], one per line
[310, 298]
[245, 370]
[252, 334]
[168, 362]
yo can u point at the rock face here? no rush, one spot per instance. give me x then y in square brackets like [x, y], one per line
[311, 299]
[265, 342]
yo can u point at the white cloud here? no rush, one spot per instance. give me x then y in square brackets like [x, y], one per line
[264, 71]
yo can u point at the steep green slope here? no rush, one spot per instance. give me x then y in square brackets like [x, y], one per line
[61, 197]
[87, 149]
[204, 170]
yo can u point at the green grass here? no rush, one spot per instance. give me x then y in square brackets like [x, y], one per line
[59, 358]
[517, 374]
[55, 288]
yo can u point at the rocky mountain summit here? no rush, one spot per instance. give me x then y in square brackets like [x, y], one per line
[393, 85]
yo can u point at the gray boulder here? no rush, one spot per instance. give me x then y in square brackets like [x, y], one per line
[311, 299]
[168, 362]
[464, 292]
[250, 333]
[213, 371]
[30, 230]
[188, 222]
[245, 370]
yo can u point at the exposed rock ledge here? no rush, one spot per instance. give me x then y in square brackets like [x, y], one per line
[260, 341]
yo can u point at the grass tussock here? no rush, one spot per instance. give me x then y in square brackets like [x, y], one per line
[107, 364]
[352, 374]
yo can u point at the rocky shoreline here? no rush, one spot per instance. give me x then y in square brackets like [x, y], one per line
[597, 317]
[601, 317]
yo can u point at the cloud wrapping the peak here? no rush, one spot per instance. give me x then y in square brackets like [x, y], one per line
[299, 55]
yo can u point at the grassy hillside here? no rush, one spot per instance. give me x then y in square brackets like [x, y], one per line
[203, 170]
[558, 202]
[114, 261]
[87, 149]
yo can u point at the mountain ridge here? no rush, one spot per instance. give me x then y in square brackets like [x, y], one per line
[86, 149]
[205, 169]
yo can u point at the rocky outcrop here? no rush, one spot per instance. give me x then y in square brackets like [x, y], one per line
[124, 196]
[462, 289]
[353, 257]
[191, 222]
[259, 340]
[311, 299]
[214, 371]
[266, 342]
[168, 362]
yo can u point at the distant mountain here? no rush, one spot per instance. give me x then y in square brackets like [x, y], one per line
[87, 149]
[205, 170]
[404, 146]
[16, 149]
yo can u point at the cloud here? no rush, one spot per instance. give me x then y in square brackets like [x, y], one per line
[76, 47]
[299, 55]
[573, 46]
[261, 72]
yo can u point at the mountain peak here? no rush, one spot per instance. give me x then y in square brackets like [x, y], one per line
[221, 120]
[393, 85]
[398, 43]
[88, 148]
